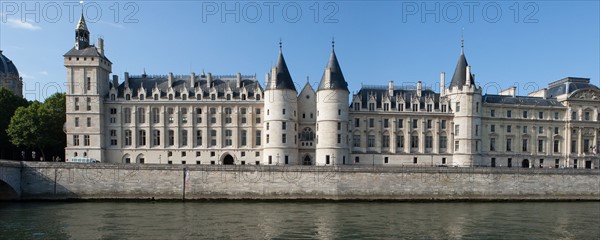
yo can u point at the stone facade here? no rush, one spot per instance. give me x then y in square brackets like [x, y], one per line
[210, 119]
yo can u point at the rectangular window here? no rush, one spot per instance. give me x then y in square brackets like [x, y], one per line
[556, 146]
[400, 123]
[171, 138]
[524, 148]
[508, 128]
[414, 160]
[429, 124]
[400, 141]
[540, 130]
[586, 145]
[184, 137]
[198, 137]
[509, 145]
[509, 162]
[492, 113]
[540, 145]
[385, 123]
[371, 141]
[258, 138]
[155, 115]
[142, 138]
[456, 130]
[574, 146]
[127, 115]
[76, 104]
[356, 122]
[283, 125]
[493, 162]
[75, 140]
[89, 104]
[141, 113]
[428, 141]
[456, 145]
[457, 106]
[524, 129]
[371, 122]
[283, 138]
[555, 130]
[509, 113]
[243, 137]
[414, 141]
[476, 130]
[555, 115]
[385, 141]
[127, 138]
[492, 128]
[443, 124]
[586, 116]
[339, 126]
[155, 138]
[76, 122]
[356, 140]
[541, 115]
[573, 115]
[339, 138]
[492, 144]
[183, 115]
[415, 123]
[443, 142]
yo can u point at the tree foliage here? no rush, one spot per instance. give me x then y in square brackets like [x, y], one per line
[9, 102]
[39, 125]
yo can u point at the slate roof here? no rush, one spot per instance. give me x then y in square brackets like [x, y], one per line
[460, 73]
[380, 92]
[521, 100]
[568, 85]
[81, 25]
[7, 67]
[283, 78]
[337, 80]
[221, 84]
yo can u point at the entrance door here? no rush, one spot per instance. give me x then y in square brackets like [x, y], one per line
[306, 160]
[228, 160]
[588, 164]
[525, 163]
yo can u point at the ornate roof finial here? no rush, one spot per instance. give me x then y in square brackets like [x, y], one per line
[462, 41]
[307, 79]
[332, 43]
[280, 45]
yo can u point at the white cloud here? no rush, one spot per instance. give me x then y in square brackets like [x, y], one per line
[15, 23]
[45, 73]
[27, 76]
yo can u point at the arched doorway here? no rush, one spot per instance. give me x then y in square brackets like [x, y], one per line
[228, 160]
[307, 160]
[525, 163]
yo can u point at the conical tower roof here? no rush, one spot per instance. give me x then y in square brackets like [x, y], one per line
[283, 77]
[336, 80]
[81, 25]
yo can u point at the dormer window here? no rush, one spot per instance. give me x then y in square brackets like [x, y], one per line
[228, 97]
[170, 96]
[243, 97]
[142, 97]
[213, 96]
[257, 97]
[112, 97]
[155, 97]
[127, 97]
[198, 96]
[184, 97]
[356, 106]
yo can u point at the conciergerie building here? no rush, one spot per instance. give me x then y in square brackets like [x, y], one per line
[233, 119]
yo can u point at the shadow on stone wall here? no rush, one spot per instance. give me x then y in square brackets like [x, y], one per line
[42, 181]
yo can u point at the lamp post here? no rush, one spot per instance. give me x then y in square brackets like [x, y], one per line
[277, 159]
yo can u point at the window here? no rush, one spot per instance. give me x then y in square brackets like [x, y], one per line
[555, 130]
[415, 123]
[243, 137]
[88, 104]
[508, 128]
[509, 145]
[414, 160]
[540, 145]
[171, 138]
[556, 115]
[429, 123]
[213, 138]
[586, 116]
[386, 107]
[198, 115]
[385, 141]
[371, 106]
[283, 138]
[258, 138]
[371, 141]
[339, 138]
[476, 130]
[525, 145]
[141, 115]
[492, 128]
[444, 108]
[492, 144]
[75, 140]
[457, 107]
[574, 146]
[371, 122]
[524, 129]
[127, 137]
[76, 122]
[356, 140]
[156, 115]
[127, 115]
[509, 162]
[556, 146]
[540, 130]
[76, 104]
[493, 162]
[428, 141]
[400, 123]
[509, 113]
[283, 125]
[586, 145]
[524, 114]
[443, 142]
[89, 122]
[477, 107]
[184, 137]
[456, 130]
[386, 123]
[414, 141]
[183, 115]
[156, 138]
[573, 115]
[228, 135]
[456, 145]
[228, 115]
[142, 138]
[443, 124]
[88, 83]
[356, 123]
[198, 137]
[541, 115]
[492, 113]
[400, 141]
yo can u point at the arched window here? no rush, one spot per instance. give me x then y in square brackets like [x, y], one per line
[307, 135]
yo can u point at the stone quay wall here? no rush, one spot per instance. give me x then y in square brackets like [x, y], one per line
[41, 180]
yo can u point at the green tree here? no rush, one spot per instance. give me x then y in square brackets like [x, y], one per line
[9, 102]
[39, 125]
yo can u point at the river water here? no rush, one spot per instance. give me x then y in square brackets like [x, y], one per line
[304, 220]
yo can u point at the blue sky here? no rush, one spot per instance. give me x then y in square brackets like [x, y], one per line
[526, 44]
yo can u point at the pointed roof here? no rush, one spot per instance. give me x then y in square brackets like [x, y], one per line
[460, 73]
[337, 81]
[81, 25]
[283, 77]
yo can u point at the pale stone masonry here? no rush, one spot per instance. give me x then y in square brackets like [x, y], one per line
[210, 119]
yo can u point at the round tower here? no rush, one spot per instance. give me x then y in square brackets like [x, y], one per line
[466, 103]
[280, 125]
[332, 116]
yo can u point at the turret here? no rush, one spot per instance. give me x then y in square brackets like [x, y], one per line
[82, 35]
[281, 106]
[332, 115]
[466, 103]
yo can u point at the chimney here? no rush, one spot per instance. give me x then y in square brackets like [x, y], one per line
[391, 88]
[238, 81]
[126, 80]
[101, 46]
[468, 77]
[192, 79]
[442, 84]
[115, 81]
[170, 79]
[419, 88]
[209, 80]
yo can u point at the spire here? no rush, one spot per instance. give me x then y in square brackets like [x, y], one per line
[82, 35]
[459, 78]
[82, 25]
[283, 79]
[462, 42]
[333, 78]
